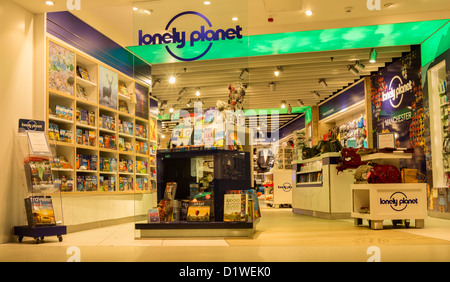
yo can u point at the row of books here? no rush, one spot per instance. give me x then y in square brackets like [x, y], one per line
[126, 127]
[107, 141]
[107, 122]
[86, 137]
[56, 134]
[86, 117]
[239, 205]
[62, 112]
[86, 162]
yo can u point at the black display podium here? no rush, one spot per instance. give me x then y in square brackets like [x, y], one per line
[231, 170]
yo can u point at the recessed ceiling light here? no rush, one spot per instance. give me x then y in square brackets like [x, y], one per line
[49, 3]
[172, 80]
[197, 93]
[135, 8]
[309, 13]
[207, 2]
[235, 18]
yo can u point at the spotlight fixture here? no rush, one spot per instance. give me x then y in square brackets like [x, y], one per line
[171, 109]
[197, 92]
[235, 18]
[244, 74]
[289, 109]
[135, 8]
[283, 104]
[156, 83]
[373, 56]
[278, 71]
[148, 12]
[182, 91]
[323, 82]
[207, 2]
[300, 103]
[163, 103]
[49, 3]
[309, 13]
[359, 66]
[316, 94]
[272, 86]
[172, 79]
[189, 103]
[353, 70]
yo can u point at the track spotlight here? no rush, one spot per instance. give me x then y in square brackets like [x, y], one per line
[316, 94]
[197, 92]
[182, 91]
[171, 109]
[272, 86]
[373, 56]
[323, 82]
[278, 71]
[189, 103]
[289, 109]
[244, 74]
[156, 83]
[163, 103]
[353, 70]
[300, 103]
[283, 104]
[359, 66]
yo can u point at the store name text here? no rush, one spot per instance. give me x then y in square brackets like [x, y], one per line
[395, 94]
[398, 201]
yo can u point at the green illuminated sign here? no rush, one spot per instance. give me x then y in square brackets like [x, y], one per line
[299, 42]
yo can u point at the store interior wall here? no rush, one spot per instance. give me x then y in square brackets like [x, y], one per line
[16, 92]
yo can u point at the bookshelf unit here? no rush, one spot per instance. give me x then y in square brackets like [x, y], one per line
[93, 137]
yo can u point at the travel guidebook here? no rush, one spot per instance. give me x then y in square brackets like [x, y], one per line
[39, 211]
[200, 207]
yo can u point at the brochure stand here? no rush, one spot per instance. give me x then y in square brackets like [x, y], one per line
[44, 211]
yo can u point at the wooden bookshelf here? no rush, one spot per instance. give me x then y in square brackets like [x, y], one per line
[90, 102]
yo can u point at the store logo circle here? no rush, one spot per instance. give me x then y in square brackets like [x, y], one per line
[202, 54]
[399, 201]
[206, 33]
[286, 187]
[395, 93]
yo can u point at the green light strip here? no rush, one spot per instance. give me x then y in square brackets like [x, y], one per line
[299, 42]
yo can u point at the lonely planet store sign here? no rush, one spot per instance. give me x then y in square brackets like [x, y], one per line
[176, 39]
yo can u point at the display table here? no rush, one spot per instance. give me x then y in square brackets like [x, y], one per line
[318, 190]
[399, 202]
[231, 170]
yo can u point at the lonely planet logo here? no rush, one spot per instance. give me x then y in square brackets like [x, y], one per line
[181, 38]
[395, 93]
[398, 201]
[286, 187]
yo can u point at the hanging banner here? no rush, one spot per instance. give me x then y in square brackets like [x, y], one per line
[397, 105]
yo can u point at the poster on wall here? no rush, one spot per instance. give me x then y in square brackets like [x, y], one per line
[141, 107]
[108, 85]
[397, 105]
[61, 69]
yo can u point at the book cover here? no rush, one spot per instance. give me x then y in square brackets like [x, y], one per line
[171, 189]
[232, 207]
[153, 216]
[39, 211]
[198, 213]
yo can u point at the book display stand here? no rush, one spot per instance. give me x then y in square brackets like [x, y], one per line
[43, 203]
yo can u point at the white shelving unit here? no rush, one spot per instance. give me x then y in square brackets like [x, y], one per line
[280, 193]
[318, 190]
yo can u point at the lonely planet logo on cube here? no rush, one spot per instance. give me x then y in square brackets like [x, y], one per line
[184, 39]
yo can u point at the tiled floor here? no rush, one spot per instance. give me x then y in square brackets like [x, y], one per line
[280, 236]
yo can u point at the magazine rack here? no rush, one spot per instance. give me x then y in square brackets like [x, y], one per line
[43, 202]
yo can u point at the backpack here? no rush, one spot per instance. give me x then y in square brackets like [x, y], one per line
[384, 174]
[350, 159]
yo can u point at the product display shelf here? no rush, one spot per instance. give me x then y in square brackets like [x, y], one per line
[43, 203]
[318, 190]
[398, 202]
[231, 171]
[85, 96]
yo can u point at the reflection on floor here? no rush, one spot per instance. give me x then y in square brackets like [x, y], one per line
[280, 236]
